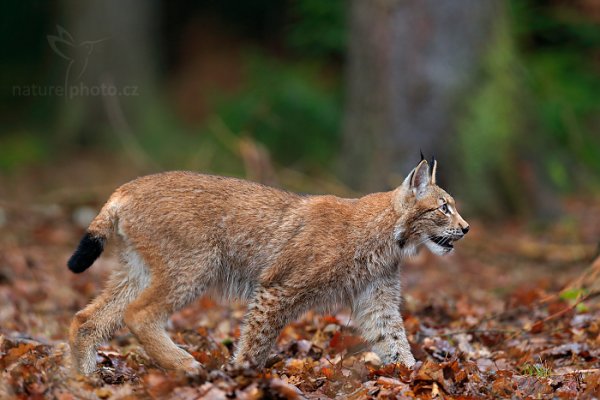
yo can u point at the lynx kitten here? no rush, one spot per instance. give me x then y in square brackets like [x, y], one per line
[180, 235]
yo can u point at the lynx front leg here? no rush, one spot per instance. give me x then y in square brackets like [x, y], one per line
[269, 312]
[377, 314]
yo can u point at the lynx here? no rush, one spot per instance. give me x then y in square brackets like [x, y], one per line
[181, 234]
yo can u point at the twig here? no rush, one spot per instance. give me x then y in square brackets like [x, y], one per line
[539, 303]
[480, 331]
[571, 307]
[578, 371]
[520, 331]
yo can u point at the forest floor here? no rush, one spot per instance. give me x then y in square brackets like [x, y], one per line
[512, 313]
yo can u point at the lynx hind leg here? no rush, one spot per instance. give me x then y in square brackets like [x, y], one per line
[100, 319]
[146, 318]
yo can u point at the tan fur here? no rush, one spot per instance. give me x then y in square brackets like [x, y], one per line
[183, 234]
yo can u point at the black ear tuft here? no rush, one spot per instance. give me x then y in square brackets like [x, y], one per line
[422, 156]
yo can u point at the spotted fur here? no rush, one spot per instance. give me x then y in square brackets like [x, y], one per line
[181, 234]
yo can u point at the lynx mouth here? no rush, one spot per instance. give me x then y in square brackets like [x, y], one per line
[443, 241]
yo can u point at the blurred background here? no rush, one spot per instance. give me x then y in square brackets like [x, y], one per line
[314, 96]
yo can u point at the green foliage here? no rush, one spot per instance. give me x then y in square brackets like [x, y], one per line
[162, 135]
[557, 47]
[536, 370]
[23, 148]
[289, 109]
[489, 128]
[159, 141]
[573, 294]
[318, 27]
[574, 298]
[538, 99]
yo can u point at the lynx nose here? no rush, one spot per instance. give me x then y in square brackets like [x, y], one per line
[465, 229]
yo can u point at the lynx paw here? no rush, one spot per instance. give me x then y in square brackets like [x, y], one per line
[192, 367]
[400, 356]
[84, 362]
[407, 361]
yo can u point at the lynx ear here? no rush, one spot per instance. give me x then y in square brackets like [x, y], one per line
[433, 169]
[419, 178]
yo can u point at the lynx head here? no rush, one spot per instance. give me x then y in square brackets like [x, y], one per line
[427, 214]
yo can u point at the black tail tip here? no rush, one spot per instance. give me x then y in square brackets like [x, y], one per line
[87, 252]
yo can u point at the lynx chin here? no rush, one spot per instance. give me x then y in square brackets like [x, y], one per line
[181, 234]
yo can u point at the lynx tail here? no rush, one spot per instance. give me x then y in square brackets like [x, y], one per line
[92, 243]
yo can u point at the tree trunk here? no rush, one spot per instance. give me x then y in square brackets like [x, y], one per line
[409, 63]
[123, 54]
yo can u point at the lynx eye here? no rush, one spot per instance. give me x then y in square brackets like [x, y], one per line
[444, 208]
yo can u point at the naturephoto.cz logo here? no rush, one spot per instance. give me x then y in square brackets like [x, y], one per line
[77, 56]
